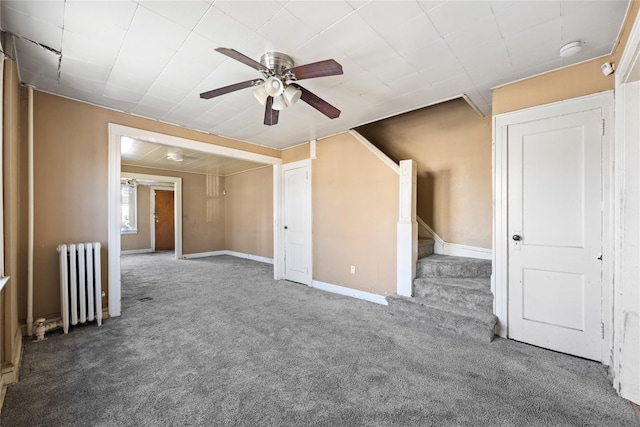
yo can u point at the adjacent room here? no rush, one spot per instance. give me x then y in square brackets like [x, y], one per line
[320, 212]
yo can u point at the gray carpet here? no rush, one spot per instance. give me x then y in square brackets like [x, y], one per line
[217, 342]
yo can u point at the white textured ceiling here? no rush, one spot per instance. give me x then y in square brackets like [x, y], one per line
[154, 58]
[157, 156]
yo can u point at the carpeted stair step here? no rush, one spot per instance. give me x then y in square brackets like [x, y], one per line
[425, 246]
[445, 317]
[451, 266]
[473, 293]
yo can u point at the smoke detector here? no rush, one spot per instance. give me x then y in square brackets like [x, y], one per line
[570, 49]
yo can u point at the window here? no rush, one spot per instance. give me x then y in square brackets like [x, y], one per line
[128, 204]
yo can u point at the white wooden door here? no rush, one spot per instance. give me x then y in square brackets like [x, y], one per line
[297, 224]
[555, 229]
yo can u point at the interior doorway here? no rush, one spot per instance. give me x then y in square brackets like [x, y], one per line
[555, 224]
[297, 222]
[552, 219]
[163, 219]
[118, 134]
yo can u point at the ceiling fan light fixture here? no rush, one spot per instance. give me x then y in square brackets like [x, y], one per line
[292, 95]
[274, 86]
[174, 156]
[261, 94]
[279, 103]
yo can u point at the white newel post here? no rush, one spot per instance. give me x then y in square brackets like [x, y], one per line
[407, 229]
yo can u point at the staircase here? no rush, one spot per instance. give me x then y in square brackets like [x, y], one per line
[451, 294]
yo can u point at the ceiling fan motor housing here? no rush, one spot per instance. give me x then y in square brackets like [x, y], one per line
[277, 62]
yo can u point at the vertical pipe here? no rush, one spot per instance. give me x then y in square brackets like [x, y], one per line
[31, 202]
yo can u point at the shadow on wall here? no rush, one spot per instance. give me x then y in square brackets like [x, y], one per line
[432, 186]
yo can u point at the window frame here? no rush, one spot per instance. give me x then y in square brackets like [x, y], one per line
[133, 207]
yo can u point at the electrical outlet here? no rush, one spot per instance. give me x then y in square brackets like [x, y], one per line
[353, 269]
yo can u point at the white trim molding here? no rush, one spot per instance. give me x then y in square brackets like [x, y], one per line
[455, 249]
[231, 253]
[376, 151]
[136, 251]
[500, 266]
[407, 229]
[625, 368]
[354, 293]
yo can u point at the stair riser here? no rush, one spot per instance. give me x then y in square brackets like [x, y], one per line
[479, 284]
[444, 321]
[425, 250]
[454, 270]
[466, 298]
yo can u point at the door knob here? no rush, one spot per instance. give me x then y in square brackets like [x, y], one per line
[516, 237]
[286, 228]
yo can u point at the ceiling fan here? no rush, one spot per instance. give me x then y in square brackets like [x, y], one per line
[277, 88]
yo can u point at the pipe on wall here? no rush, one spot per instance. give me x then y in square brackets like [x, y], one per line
[31, 215]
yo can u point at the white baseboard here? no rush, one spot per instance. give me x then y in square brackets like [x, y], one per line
[341, 290]
[454, 249]
[203, 254]
[136, 251]
[232, 253]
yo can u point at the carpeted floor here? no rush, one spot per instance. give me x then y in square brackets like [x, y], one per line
[217, 342]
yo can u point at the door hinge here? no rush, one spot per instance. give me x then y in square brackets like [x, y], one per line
[602, 127]
[601, 330]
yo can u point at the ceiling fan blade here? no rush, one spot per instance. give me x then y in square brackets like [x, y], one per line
[318, 103]
[270, 115]
[231, 88]
[328, 67]
[234, 54]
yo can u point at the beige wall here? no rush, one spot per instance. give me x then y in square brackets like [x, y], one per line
[451, 146]
[71, 148]
[14, 223]
[203, 213]
[294, 154]
[142, 238]
[355, 216]
[570, 82]
[249, 212]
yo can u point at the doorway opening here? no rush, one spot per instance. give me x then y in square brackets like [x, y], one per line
[177, 150]
[163, 219]
[142, 239]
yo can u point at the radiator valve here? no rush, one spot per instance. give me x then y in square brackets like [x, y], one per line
[42, 328]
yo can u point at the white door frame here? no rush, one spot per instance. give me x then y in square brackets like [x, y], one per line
[500, 276]
[624, 282]
[177, 213]
[175, 186]
[278, 232]
[116, 132]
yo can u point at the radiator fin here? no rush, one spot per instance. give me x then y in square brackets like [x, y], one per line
[80, 284]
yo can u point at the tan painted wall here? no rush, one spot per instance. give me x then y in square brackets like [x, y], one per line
[355, 216]
[71, 148]
[294, 154]
[249, 212]
[142, 238]
[451, 146]
[570, 82]
[203, 213]
[14, 224]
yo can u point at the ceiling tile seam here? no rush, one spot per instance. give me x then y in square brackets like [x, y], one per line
[177, 23]
[122, 43]
[330, 26]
